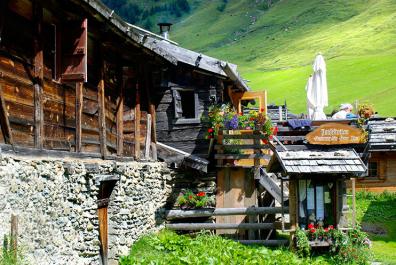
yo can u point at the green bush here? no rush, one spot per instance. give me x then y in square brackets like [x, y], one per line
[169, 248]
[302, 244]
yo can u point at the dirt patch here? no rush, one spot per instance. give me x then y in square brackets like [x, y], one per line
[374, 229]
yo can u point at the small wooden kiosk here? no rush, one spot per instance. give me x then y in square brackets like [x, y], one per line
[317, 173]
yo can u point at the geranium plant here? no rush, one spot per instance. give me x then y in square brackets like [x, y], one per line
[190, 200]
[226, 117]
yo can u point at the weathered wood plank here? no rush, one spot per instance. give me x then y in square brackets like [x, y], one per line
[38, 74]
[102, 113]
[242, 146]
[212, 226]
[120, 121]
[137, 123]
[176, 214]
[79, 108]
[241, 156]
[148, 138]
[4, 121]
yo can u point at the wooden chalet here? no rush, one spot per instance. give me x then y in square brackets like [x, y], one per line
[381, 158]
[76, 80]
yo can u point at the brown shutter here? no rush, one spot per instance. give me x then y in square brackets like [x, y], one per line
[177, 104]
[74, 52]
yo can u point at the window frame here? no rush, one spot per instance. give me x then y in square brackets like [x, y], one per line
[333, 194]
[182, 121]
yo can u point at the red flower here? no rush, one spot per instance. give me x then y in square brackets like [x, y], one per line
[262, 109]
[210, 136]
[210, 130]
[241, 113]
[310, 226]
[190, 197]
[201, 194]
[312, 230]
[331, 227]
[265, 141]
[326, 230]
[251, 119]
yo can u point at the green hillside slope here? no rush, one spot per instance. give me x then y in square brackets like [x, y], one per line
[275, 48]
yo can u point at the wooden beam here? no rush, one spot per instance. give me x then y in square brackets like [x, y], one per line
[4, 121]
[148, 138]
[38, 75]
[151, 105]
[120, 118]
[79, 107]
[176, 214]
[103, 234]
[137, 123]
[102, 114]
[212, 226]
[14, 236]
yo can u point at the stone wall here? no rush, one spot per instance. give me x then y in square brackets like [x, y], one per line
[56, 202]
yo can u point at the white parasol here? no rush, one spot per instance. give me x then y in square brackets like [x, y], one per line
[316, 89]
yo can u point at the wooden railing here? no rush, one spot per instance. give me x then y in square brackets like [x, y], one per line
[242, 148]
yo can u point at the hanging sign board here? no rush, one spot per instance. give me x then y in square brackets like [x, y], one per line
[335, 133]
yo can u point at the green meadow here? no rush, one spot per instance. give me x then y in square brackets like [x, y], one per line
[274, 48]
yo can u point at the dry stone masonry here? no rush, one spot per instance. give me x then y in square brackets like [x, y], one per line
[56, 201]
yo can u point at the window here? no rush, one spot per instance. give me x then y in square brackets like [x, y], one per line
[373, 169]
[316, 201]
[186, 106]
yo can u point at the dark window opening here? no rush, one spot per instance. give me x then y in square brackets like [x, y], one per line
[373, 169]
[185, 102]
[188, 104]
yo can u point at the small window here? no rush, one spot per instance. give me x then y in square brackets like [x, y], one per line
[316, 202]
[186, 106]
[373, 169]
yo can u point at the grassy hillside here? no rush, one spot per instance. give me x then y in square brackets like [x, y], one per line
[275, 48]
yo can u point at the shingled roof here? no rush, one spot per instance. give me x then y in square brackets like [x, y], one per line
[382, 135]
[167, 49]
[318, 162]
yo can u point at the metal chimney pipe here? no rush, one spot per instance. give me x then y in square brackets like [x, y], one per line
[164, 29]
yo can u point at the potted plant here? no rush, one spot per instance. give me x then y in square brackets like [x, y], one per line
[189, 200]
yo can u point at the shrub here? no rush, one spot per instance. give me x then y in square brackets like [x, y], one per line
[302, 244]
[169, 248]
[190, 200]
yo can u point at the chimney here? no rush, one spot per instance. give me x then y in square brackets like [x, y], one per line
[164, 29]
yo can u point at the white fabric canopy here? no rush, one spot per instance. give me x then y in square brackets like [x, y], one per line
[316, 89]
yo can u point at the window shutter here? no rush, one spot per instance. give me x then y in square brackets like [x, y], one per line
[177, 104]
[74, 52]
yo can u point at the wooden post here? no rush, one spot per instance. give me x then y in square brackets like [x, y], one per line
[38, 75]
[292, 209]
[353, 201]
[120, 119]
[14, 235]
[102, 114]
[148, 138]
[256, 160]
[137, 123]
[151, 105]
[79, 106]
[103, 233]
[4, 121]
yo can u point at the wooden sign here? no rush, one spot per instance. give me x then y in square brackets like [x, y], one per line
[335, 133]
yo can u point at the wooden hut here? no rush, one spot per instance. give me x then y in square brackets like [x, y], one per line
[80, 81]
[317, 183]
